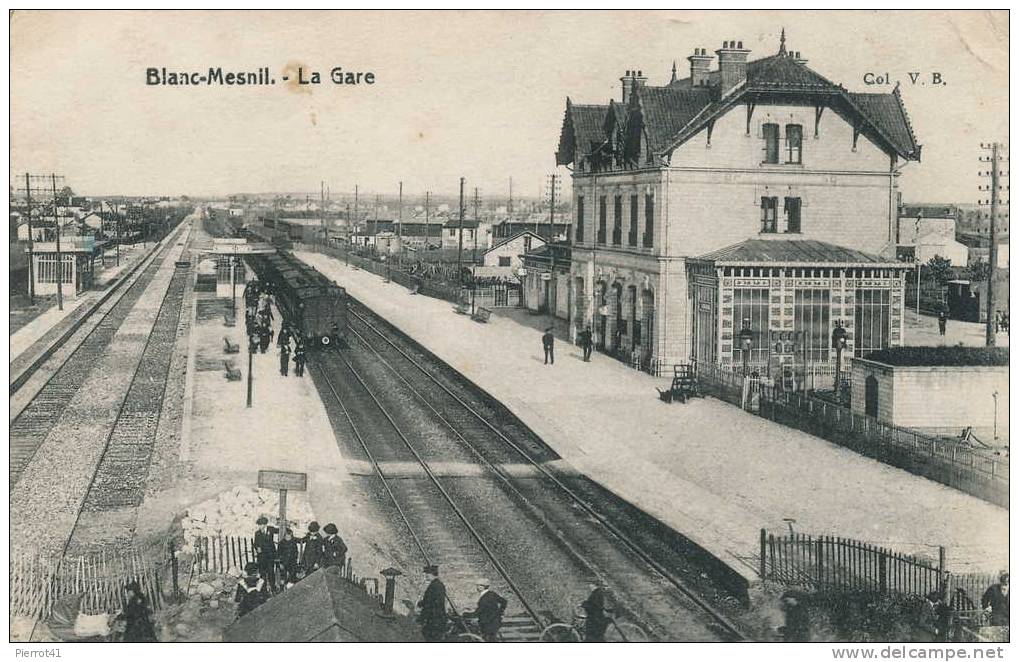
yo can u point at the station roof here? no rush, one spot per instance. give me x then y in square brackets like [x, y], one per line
[793, 253]
[322, 607]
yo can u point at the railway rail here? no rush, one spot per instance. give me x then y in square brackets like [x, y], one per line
[503, 471]
[29, 428]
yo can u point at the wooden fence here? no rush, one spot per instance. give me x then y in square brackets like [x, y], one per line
[972, 470]
[38, 582]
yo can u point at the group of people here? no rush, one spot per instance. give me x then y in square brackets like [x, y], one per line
[279, 564]
[1000, 321]
[941, 609]
[434, 620]
[585, 340]
[258, 320]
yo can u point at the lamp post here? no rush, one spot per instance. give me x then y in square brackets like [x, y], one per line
[746, 341]
[838, 341]
[251, 354]
[995, 396]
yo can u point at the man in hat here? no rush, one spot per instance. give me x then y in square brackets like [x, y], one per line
[286, 552]
[489, 612]
[585, 341]
[250, 590]
[311, 560]
[432, 606]
[300, 358]
[995, 600]
[597, 614]
[265, 550]
[548, 343]
[334, 552]
[285, 359]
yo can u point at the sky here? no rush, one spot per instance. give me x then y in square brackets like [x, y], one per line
[474, 94]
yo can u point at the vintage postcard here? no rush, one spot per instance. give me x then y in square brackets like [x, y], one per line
[510, 326]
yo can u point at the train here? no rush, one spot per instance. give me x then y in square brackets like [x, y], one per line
[309, 302]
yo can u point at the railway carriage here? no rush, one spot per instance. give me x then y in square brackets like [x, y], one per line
[308, 301]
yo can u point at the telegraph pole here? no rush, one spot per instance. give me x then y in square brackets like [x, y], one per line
[60, 257]
[460, 246]
[375, 246]
[551, 241]
[31, 239]
[428, 230]
[477, 227]
[995, 173]
[399, 227]
[509, 206]
[322, 211]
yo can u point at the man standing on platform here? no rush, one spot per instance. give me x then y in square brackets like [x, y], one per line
[585, 342]
[548, 343]
[489, 612]
[265, 551]
[300, 357]
[285, 359]
[432, 606]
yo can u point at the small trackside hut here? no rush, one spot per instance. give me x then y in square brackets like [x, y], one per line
[308, 301]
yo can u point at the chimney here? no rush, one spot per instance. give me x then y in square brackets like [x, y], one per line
[631, 81]
[798, 59]
[732, 64]
[700, 64]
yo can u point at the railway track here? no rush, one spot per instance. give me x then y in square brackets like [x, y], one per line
[524, 467]
[545, 543]
[30, 427]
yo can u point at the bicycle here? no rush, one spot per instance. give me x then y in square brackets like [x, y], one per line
[618, 631]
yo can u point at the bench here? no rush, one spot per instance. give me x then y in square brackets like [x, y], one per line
[481, 315]
[230, 348]
[232, 373]
[228, 320]
[462, 309]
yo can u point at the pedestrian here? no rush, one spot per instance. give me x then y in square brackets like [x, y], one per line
[311, 559]
[942, 613]
[265, 550]
[548, 343]
[942, 321]
[995, 600]
[284, 360]
[250, 590]
[136, 616]
[286, 553]
[284, 336]
[249, 321]
[597, 615]
[586, 343]
[264, 337]
[489, 611]
[300, 357]
[797, 619]
[334, 551]
[432, 606]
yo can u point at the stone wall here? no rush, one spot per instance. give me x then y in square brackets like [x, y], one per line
[935, 397]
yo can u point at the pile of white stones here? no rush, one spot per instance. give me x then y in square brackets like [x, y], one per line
[234, 513]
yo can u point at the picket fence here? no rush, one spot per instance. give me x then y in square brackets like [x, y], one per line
[835, 564]
[39, 582]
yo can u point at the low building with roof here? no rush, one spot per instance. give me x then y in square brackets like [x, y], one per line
[766, 150]
[545, 276]
[504, 258]
[77, 254]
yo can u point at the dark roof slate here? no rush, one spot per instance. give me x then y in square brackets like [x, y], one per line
[790, 252]
[583, 124]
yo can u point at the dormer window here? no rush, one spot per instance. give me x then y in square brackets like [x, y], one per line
[794, 143]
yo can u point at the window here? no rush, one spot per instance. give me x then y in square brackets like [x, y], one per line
[649, 220]
[580, 219]
[527, 242]
[792, 214]
[811, 313]
[601, 220]
[794, 143]
[47, 270]
[504, 261]
[769, 212]
[872, 321]
[632, 237]
[750, 305]
[617, 220]
[771, 143]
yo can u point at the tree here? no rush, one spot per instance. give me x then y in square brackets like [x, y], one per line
[940, 269]
[978, 272]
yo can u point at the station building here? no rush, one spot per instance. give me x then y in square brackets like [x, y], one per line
[756, 194]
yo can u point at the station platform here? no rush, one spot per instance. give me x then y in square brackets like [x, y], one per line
[74, 308]
[711, 471]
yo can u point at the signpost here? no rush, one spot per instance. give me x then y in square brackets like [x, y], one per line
[283, 481]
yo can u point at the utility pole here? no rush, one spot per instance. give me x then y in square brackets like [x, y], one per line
[551, 244]
[60, 257]
[995, 174]
[355, 201]
[428, 228]
[31, 270]
[399, 227]
[322, 212]
[509, 206]
[477, 227]
[375, 213]
[460, 245]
